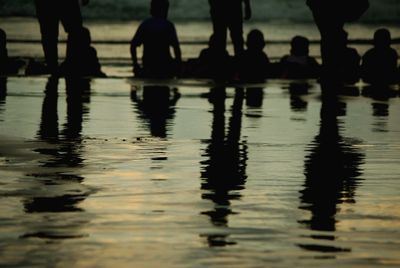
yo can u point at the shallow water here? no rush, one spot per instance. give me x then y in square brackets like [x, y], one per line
[111, 39]
[274, 176]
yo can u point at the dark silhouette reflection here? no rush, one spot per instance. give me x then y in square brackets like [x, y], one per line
[57, 185]
[331, 171]
[3, 93]
[254, 97]
[224, 171]
[380, 96]
[156, 107]
[296, 91]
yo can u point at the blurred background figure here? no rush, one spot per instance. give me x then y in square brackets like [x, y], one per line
[157, 34]
[379, 64]
[299, 64]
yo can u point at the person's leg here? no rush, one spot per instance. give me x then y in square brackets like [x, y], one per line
[48, 21]
[71, 16]
[236, 32]
[333, 42]
[219, 25]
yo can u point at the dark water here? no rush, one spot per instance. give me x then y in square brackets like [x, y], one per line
[113, 172]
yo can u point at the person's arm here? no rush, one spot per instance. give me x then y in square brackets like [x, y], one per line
[247, 10]
[176, 47]
[135, 43]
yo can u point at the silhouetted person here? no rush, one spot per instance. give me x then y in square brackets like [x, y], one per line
[213, 62]
[50, 13]
[157, 35]
[228, 153]
[350, 67]
[156, 107]
[379, 64]
[81, 58]
[330, 17]
[254, 63]
[299, 64]
[332, 171]
[7, 65]
[228, 14]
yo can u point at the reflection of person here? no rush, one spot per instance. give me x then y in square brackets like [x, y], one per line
[228, 14]
[157, 34]
[225, 151]
[156, 107]
[299, 64]
[50, 13]
[332, 171]
[379, 64]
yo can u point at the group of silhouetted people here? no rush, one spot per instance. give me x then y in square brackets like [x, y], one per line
[249, 63]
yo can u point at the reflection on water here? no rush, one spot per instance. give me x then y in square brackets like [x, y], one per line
[332, 171]
[297, 90]
[3, 95]
[224, 172]
[259, 190]
[57, 186]
[156, 108]
[380, 96]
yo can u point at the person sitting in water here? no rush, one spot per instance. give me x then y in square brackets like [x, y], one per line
[254, 63]
[213, 62]
[299, 64]
[7, 65]
[351, 63]
[157, 34]
[379, 64]
[81, 58]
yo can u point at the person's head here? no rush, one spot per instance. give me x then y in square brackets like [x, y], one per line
[159, 8]
[382, 38]
[3, 39]
[299, 46]
[255, 40]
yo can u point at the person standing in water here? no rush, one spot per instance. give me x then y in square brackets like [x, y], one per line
[228, 14]
[50, 13]
[330, 18]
